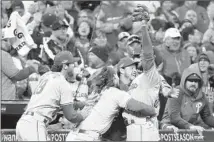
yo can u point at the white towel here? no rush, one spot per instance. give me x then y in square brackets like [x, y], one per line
[17, 29]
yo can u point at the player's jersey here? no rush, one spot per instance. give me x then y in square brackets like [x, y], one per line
[145, 88]
[104, 112]
[51, 93]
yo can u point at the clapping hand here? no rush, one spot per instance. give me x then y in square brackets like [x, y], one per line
[174, 92]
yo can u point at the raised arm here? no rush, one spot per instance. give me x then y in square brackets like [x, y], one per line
[140, 27]
[147, 49]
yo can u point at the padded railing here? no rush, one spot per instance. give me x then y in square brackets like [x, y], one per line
[181, 135]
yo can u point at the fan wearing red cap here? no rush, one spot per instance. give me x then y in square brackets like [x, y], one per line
[53, 92]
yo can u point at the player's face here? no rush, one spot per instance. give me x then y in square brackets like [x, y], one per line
[203, 65]
[137, 58]
[192, 85]
[70, 71]
[130, 72]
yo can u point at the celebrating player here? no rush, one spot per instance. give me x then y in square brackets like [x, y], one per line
[109, 104]
[52, 93]
[146, 86]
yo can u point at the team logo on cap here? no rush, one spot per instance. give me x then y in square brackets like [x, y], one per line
[61, 22]
[64, 61]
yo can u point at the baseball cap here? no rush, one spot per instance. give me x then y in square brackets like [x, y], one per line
[48, 19]
[203, 56]
[58, 23]
[65, 57]
[17, 4]
[172, 32]
[133, 38]
[100, 52]
[123, 35]
[125, 62]
[193, 76]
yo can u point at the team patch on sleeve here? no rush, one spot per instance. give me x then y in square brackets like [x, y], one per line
[133, 86]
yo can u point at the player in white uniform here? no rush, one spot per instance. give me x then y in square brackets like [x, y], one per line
[145, 88]
[109, 104]
[52, 93]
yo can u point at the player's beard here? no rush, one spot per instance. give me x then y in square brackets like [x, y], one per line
[70, 74]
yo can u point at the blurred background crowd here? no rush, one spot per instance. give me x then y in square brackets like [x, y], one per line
[100, 34]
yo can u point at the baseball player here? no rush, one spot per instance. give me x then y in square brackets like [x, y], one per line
[145, 88]
[106, 83]
[52, 93]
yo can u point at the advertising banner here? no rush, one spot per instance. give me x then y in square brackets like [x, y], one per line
[182, 135]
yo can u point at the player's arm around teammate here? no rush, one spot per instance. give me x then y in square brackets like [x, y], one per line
[52, 93]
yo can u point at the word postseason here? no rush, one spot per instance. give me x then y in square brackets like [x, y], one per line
[181, 137]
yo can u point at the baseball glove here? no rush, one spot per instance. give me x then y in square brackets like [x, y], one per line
[141, 12]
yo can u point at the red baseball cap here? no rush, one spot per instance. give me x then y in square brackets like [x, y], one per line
[125, 62]
[65, 57]
[48, 19]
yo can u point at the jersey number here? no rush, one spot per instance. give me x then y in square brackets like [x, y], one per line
[41, 86]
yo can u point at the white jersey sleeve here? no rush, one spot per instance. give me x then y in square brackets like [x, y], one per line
[67, 95]
[122, 98]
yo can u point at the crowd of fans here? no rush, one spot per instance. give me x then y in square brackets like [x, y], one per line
[100, 33]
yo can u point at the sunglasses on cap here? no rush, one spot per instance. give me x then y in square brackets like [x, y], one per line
[193, 80]
[134, 38]
[136, 56]
[176, 38]
[123, 38]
